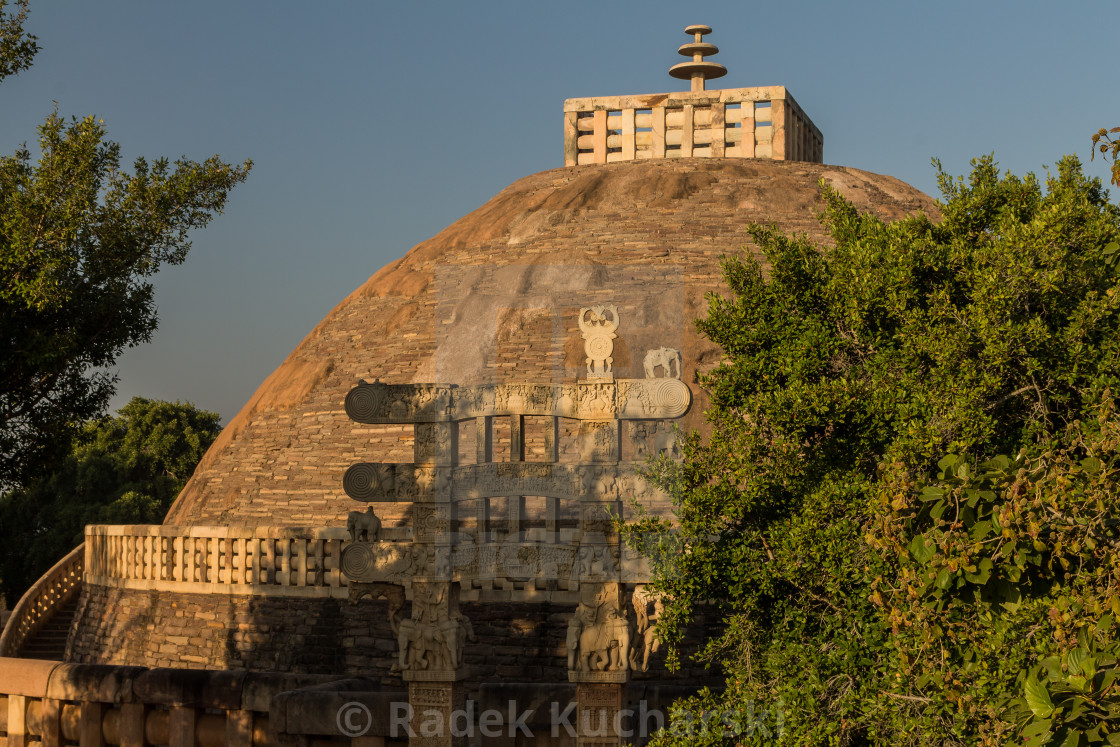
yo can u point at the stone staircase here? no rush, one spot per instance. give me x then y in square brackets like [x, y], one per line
[49, 641]
[40, 622]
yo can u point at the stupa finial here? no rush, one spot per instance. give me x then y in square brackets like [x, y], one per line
[698, 70]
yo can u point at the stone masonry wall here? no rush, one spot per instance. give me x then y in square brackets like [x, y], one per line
[515, 641]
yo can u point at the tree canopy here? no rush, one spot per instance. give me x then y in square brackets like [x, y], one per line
[79, 239]
[903, 509]
[1108, 148]
[125, 469]
[17, 47]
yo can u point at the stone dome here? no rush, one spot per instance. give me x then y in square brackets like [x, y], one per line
[250, 570]
[494, 297]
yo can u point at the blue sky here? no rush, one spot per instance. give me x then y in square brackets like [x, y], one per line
[373, 125]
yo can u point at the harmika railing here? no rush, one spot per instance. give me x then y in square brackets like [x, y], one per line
[763, 122]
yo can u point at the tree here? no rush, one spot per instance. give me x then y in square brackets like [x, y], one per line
[914, 438]
[17, 48]
[119, 470]
[1109, 148]
[79, 237]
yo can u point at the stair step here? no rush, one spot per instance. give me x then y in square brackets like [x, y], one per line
[49, 642]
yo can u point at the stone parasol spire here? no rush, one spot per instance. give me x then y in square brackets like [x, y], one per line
[698, 70]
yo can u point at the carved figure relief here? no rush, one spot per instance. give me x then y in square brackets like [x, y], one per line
[597, 563]
[431, 561]
[435, 636]
[645, 624]
[665, 441]
[596, 401]
[639, 438]
[598, 637]
[598, 441]
[606, 487]
[666, 358]
[364, 526]
[598, 324]
[434, 443]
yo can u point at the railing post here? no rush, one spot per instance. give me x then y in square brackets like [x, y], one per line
[89, 729]
[17, 720]
[778, 129]
[181, 727]
[571, 137]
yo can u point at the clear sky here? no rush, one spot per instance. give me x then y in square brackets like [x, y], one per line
[375, 124]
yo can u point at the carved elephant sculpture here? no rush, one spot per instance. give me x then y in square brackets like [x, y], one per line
[664, 357]
[363, 525]
[605, 646]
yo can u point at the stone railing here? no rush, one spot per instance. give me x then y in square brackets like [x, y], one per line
[52, 704]
[762, 122]
[265, 561]
[305, 562]
[39, 603]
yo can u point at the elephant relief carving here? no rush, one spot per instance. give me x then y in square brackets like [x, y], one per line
[666, 358]
[599, 635]
[435, 637]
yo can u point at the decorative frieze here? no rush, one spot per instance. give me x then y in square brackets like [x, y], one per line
[595, 399]
[370, 482]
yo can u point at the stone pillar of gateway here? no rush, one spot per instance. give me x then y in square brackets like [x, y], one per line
[407, 535]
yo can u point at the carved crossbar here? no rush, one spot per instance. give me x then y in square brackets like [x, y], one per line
[623, 399]
[398, 563]
[372, 482]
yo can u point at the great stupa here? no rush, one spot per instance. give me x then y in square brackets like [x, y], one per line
[405, 536]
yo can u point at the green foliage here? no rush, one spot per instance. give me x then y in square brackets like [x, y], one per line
[79, 237]
[1010, 566]
[868, 583]
[1109, 148]
[17, 48]
[119, 470]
